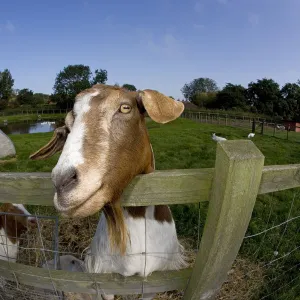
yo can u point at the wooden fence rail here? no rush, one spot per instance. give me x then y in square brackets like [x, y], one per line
[161, 187]
[231, 189]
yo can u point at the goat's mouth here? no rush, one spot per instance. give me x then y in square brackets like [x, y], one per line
[83, 208]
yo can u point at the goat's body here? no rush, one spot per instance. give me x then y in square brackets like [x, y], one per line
[8, 249]
[152, 246]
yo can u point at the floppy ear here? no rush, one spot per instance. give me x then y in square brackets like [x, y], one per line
[56, 144]
[159, 107]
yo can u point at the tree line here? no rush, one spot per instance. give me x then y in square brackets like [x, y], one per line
[68, 83]
[264, 96]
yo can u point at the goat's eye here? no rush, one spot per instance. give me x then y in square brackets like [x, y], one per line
[125, 108]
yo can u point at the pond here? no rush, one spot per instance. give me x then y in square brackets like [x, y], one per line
[31, 126]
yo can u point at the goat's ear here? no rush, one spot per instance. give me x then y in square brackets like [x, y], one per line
[55, 145]
[159, 107]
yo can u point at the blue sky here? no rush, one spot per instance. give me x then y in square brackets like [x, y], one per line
[157, 44]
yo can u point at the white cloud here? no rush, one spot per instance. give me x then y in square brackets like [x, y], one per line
[9, 26]
[198, 6]
[253, 19]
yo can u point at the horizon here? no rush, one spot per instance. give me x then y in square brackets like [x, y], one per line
[158, 45]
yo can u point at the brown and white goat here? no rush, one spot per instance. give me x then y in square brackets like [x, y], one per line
[105, 144]
[14, 221]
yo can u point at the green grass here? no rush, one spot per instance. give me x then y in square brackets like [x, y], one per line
[185, 144]
[32, 117]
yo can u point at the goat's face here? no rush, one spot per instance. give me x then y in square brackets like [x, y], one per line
[104, 145]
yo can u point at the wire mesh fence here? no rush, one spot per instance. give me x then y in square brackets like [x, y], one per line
[267, 266]
[272, 249]
[260, 126]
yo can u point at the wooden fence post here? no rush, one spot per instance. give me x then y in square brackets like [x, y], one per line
[237, 177]
[262, 127]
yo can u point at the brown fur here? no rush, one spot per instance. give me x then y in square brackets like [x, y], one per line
[136, 211]
[125, 137]
[162, 213]
[13, 225]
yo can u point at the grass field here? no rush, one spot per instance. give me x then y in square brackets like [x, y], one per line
[185, 144]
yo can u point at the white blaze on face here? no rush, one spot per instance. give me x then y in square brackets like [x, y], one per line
[24, 211]
[72, 155]
[22, 208]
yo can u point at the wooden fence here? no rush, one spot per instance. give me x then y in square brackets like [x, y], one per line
[231, 189]
[34, 111]
[221, 118]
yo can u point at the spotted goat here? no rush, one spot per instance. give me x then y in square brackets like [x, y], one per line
[104, 145]
[14, 221]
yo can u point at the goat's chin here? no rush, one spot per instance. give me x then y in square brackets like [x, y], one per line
[86, 208]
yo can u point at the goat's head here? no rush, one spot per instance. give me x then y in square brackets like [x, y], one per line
[104, 145]
[15, 219]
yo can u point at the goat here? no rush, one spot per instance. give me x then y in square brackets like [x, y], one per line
[251, 135]
[104, 145]
[218, 138]
[67, 263]
[14, 221]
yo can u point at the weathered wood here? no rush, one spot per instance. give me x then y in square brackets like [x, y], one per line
[279, 178]
[87, 283]
[238, 171]
[160, 187]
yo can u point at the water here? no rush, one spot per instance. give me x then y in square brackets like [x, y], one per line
[30, 126]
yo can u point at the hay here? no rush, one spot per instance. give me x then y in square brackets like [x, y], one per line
[74, 236]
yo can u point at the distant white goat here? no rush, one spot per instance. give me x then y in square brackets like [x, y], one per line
[282, 127]
[218, 138]
[251, 135]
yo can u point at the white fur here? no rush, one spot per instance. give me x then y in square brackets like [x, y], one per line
[251, 135]
[24, 210]
[71, 155]
[8, 250]
[218, 138]
[160, 251]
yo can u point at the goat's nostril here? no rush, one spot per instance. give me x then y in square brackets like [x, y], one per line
[74, 177]
[67, 179]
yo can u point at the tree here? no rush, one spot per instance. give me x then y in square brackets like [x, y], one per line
[25, 96]
[40, 98]
[232, 96]
[6, 87]
[199, 85]
[204, 99]
[72, 80]
[129, 87]
[265, 96]
[290, 94]
[100, 76]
